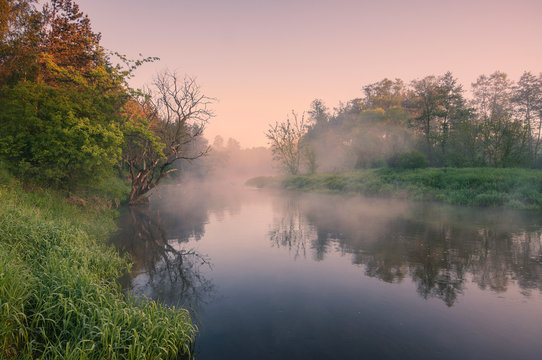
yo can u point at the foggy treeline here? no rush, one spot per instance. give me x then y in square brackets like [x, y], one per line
[226, 160]
[430, 121]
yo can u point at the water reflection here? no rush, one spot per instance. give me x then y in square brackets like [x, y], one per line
[440, 248]
[290, 229]
[163, 267]
[289, 269]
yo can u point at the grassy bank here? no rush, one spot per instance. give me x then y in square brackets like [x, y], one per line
[514, 188]
[58, 291]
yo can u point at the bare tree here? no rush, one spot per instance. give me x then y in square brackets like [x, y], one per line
[286, 143]
[168, 117]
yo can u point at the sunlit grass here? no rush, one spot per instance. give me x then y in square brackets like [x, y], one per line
[58, 292]
[515, 188]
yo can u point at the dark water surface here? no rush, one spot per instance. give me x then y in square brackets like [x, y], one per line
[306, 276]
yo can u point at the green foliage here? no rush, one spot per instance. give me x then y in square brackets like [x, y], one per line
[139, 137]
[295, 182]
[335, 183]
[264, 182]
[20, 35]
[61, 101]
[112, 189]
[499, 127]
[47, 134]
[15, 284]
[408, 160]
[514, 188]
[58, 287]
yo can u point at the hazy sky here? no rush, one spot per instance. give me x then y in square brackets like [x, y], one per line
[262, 59]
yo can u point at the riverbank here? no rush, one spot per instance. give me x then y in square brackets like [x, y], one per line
[58, 292]
[512, 188]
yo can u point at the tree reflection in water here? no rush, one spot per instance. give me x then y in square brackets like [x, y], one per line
[162, 267]
[441, 248]
[290, 230]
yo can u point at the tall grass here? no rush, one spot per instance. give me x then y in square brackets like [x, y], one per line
[515, 188]
[58, 292]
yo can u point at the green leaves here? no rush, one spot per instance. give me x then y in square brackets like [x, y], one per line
[47, 136]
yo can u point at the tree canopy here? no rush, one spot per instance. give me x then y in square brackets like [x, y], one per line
[67, 113]
[499, 124]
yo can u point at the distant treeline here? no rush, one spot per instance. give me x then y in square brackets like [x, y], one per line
[431, 122]
[226, 160]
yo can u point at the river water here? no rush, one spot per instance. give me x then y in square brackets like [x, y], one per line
[314, 276]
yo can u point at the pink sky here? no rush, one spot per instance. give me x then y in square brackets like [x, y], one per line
[262, 59]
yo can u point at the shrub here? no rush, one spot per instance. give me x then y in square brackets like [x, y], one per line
[53, 136]
[335, 182]
[408, 160]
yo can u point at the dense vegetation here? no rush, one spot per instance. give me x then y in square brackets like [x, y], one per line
[425, 140]
[498, 125]
[515, 188]
[67, 113]
[73, 133]
[58, 291]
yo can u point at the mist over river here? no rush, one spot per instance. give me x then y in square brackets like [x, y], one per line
[276, 275]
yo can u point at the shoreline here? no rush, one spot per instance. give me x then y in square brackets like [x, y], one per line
[58, 284]
[479, 187]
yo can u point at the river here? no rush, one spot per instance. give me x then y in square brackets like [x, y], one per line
[270, 275]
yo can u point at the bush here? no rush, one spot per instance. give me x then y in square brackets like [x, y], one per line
[294, 182]
[335, 182]
[263, 181]
[516, 188]
[54, 136]
[408, 160]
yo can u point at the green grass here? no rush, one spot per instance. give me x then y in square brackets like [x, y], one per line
[514, 188]
[58, 292]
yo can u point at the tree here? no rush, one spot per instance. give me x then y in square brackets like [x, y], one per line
[64, 128]
[384, 94]
[437, 104]
[49, 136]
[453, 111]
[527, 98]
[21, 34]
[309, 155]
[170, 116]
[425, 100]
[492, 95]
[503, 138]
[69, 40]
[218, 143]
[233, 146]
[286, 143]
[318, 112]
